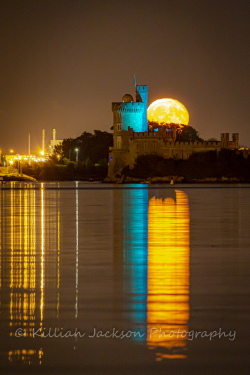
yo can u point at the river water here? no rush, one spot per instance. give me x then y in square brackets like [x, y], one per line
[124, 279]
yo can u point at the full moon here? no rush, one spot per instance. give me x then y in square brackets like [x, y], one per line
[169, 111]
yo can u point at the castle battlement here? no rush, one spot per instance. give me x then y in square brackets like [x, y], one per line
[131, 107]
[193, 144]
[145, 135]
[137, 136]
[142, 87]
[118, 105]
[129, 110]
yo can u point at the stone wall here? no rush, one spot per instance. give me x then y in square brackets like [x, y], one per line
[134, 144]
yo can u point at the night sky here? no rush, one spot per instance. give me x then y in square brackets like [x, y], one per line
[64, 62]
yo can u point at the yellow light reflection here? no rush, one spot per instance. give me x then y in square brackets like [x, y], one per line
[12, 236]
[58, 255]
[168, 275]
[1, 237]
[42, 253]
[22, 272]
[25, 356]
[26, 240]
[26, 276]
[77, 235]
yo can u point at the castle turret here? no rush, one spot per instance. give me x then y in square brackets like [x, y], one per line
[224, 140]
[129, 114]
[142, 96]
[236, 140]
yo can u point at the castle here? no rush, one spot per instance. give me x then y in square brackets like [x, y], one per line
[132, 138]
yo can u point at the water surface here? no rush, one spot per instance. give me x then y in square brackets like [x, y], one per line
[137, 270]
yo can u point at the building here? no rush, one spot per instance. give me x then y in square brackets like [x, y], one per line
[132, 138]
[11, 158]
[54, 142]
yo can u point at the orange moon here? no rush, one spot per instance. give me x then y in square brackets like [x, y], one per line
[169, 111]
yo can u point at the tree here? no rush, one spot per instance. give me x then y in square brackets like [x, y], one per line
[58, 149]
[93, 146]
[212, 140]
[88, 163]
[154, 125]
[184, 133]
[188, 134]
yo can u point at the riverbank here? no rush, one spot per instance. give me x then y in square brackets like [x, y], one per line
[16, 177]
[128, 180]
[174, 179]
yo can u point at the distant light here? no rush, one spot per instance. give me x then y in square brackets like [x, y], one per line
[76, 149]
[11, 150]
[42, 152]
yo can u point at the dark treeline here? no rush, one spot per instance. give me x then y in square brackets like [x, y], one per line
[94, 147]
[91, 150]
[202, 165]
[50, 171]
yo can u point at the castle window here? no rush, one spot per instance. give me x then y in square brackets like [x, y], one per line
[119, 142]
[137, 145]
[119, 127]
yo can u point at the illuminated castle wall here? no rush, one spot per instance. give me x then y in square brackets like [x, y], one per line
[131, 137]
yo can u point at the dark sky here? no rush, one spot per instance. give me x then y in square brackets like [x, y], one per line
[64, 62]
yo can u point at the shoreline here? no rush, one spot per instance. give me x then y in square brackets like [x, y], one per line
[16, 177]
[172, 180]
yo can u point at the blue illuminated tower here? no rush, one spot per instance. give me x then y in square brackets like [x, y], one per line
[132, 114]
[142, 96]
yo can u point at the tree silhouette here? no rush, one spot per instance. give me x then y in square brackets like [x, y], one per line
[184, 133]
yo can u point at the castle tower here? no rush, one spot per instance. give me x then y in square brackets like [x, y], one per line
[236, 140]
[224, 140]
[117, 126]
[128, 114]
[141, 92]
